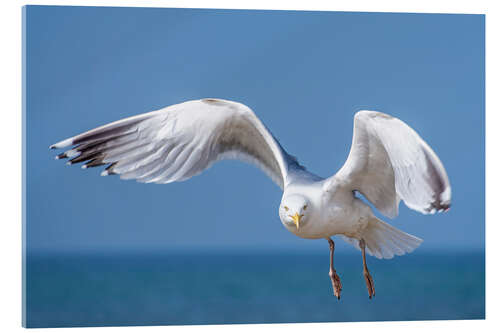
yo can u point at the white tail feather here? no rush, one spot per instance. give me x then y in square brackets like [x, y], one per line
[384, 241]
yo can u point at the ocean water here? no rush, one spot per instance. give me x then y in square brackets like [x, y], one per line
[219, 288]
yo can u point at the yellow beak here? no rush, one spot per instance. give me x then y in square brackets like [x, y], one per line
[296, 219]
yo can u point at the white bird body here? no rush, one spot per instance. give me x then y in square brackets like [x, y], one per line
[388, 162]
[330, 216]
[339, 212]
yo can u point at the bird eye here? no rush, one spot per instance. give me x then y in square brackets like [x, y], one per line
[305, 207]
[286, 208]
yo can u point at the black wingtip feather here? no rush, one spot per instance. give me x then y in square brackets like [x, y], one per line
[109, 169]
[105, 134]
[84, 157]
[61, 156]
[94, 163]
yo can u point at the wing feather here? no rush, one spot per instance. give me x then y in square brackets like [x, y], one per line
[389, 161]
[180, 141]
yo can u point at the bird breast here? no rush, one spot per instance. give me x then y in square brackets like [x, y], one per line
[330, 215]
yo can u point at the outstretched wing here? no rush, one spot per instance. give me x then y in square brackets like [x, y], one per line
[389, 161]
[180, 141]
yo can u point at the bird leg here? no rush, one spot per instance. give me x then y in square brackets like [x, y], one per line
[336, 284]
[368, 278]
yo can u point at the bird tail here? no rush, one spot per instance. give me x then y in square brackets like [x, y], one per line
[384, 241]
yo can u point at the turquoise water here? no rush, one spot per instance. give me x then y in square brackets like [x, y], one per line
[216, 288]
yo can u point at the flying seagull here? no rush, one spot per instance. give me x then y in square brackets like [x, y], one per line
[388, 162]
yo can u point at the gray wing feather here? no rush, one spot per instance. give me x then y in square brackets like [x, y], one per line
[180, 141]
[389, 161]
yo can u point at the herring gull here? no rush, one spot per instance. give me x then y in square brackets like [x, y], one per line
[388, 162]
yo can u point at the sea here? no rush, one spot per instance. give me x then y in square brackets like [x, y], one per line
[238, 287]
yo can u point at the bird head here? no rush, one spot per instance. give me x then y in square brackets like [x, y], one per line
[293, 211]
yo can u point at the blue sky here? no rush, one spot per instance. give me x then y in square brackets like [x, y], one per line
[304, 74]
